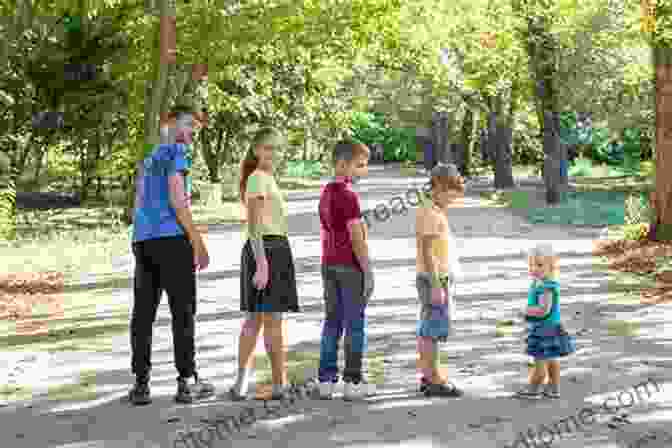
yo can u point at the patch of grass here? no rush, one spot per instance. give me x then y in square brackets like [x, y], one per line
[299, 364]
[82, 390]
[376, 368]
[55, 335]
[72, 242]
[622, 328]
[497, 198]
[298, 183]
[79, 327]
[14, 392]
[504, 328]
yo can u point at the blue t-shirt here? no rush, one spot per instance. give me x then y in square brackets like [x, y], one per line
[536, 291]
[154, 216]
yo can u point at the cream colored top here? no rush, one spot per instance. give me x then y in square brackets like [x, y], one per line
[274, 210]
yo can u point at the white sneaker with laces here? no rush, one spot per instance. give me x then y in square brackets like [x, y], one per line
[358, 391]
[326, 390]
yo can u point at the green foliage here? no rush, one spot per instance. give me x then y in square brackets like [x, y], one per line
[635, 232]
[637, 210]
[304, 168]
[526, 147]
[372, 129]
[8, 211]
[581, 167]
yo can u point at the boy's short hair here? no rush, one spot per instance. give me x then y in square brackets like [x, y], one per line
[348, 150]
[447, 176]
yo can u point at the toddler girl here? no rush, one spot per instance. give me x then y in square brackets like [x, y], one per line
[547, 339]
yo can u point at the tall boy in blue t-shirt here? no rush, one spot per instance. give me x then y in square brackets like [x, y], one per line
[168, 249]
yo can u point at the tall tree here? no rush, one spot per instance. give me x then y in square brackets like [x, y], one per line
[657, 23]
[543, 51]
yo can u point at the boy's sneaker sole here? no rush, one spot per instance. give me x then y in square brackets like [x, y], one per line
[551, 395]
[188, 393]
[325, 391]
[235, 396]
[528, 396]
[442, 390]
[361, 391]
[139, 396]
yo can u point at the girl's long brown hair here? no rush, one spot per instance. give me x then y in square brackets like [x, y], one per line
[250, 162]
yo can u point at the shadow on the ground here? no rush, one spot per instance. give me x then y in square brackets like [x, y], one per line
[475, 353]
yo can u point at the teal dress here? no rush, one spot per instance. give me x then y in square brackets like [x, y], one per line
[546, 337]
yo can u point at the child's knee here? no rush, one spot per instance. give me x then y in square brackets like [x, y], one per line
[250, 327]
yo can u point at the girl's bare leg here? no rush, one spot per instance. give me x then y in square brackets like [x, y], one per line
[275, 341]
[539, 373]
[554, 371]
[249, 334]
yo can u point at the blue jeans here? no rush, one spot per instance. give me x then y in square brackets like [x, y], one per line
[344, 311]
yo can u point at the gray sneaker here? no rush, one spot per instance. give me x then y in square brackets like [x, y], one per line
[532, 391]
[551, 391]
[189, 391]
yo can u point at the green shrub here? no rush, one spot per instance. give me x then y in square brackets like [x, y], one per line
[581, 167]
[372, 129]
[304, 168]
[635, 232]
[637, 210]
[8, 211]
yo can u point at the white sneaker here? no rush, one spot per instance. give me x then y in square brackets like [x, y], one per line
[326, 390]
[358, 391]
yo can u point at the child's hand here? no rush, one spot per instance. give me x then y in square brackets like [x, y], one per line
[261, 276]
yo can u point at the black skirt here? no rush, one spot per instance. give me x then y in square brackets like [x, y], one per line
[280, 294]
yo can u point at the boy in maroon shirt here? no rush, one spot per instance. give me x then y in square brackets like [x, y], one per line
[346, 273]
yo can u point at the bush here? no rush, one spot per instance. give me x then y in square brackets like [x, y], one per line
[527, 147]
[581, 168]
[635, 232]
[304, 168]
[372, 129]
[637, 210]
[7, 211]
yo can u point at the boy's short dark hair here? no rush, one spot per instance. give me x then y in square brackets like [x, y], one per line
[447, 176]
[348, 150]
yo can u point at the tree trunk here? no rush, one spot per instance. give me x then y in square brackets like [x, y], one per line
[467, 143]
[503, 161]
[663, 185]
[442, 138]
[502, 148]
[551, 158]
[541, 46]
[155, 92]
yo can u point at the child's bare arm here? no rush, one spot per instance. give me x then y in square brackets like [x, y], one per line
[179, 202]
[430, 262]
[360, 246]
[255, 206]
